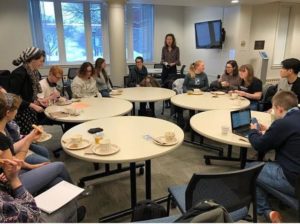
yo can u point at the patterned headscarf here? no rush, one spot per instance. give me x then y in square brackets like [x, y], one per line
[25, 55]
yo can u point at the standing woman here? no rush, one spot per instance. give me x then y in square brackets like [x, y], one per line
[24, 81]
[84, 85]
[102, 80]
[170, 58]
[230, 79]
[196, 78]
[251, 87]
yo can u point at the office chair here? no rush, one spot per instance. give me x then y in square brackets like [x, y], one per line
[268, 92]
[234, 190]
[4, 79]
[72, 72]
[158, 66]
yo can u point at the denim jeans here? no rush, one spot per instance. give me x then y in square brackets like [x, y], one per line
[43, 178]
[40, 154]
[271, 175]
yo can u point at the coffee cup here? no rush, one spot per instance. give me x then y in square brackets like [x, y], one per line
[224, 129]
[189, 92]
[223, 83]
[76, 139]
[104, 145]
[234, 95]
[169, 136]
[197, 90]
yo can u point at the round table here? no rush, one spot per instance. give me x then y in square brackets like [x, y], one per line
[128, 133]
[91, 109]
[209, 123]
[145, 94]
[208, 101]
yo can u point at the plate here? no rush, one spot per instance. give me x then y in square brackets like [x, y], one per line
[75, 100]
[115, 93]
[195, 93]
[63, 103]
[113, 149]
[219, 92]
[44, 137]
[161, 140]
[85, 143]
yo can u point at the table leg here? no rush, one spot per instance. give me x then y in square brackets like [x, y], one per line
[133, 109]
[243, 157]
[148, 179]
[133, 184]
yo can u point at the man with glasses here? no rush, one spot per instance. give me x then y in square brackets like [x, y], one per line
[49, 92]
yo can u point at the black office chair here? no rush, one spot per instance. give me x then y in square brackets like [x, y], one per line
[158, 66]
[72, 72]
[130, 67]
[268, 92]
[234, 190]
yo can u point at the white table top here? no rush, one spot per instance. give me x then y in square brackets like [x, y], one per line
[206, 101]
[209, 124]
[127, 132]
[92, 108]
[154, 70]
[145, 94]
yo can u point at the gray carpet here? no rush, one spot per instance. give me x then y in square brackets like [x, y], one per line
[112, 194]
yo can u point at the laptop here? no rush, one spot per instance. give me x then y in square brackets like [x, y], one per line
[240, 122]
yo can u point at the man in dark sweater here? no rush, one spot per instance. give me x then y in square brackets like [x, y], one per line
[284, 136]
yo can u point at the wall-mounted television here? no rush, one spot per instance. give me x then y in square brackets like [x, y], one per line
[209, 34]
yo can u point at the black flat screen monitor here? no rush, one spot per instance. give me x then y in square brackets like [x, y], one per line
[209, 34]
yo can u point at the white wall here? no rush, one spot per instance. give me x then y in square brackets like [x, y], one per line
[168, 19]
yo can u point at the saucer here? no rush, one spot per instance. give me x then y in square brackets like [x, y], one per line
[115, 93]
[218, 92]
[113, 149]
[44, 137]
[63, 103]
[195, 93]
[72, 146]
[161, 140]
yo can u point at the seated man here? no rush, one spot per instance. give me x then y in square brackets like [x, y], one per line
[289, 76]
[18, 205]
[138, 76]
[284, 136]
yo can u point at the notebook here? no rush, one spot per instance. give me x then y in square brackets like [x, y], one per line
[240, 122]
[57, 196]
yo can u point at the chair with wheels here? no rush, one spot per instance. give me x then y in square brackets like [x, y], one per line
[234, 190]
[4, 79]
[268, 92]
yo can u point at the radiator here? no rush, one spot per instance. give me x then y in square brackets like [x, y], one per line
[273, 81]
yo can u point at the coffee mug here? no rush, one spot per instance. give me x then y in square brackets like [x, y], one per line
[224, 129]
[197, 90]
[76, 139]
[104, 145]
[169, 136]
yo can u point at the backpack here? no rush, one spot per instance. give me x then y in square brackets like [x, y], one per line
[148, 209]
[206, 211]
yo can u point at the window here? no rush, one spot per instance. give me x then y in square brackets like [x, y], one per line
[139, 35]
[69, 32]
[75, 31]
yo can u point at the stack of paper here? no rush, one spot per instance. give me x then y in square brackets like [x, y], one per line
[57, 196]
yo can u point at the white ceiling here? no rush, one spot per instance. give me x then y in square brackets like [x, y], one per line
[208, 2]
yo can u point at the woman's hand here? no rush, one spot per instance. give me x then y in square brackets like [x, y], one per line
[28, 166]
[37, 108]
[34, 134]
[241, 93]
[3, 178]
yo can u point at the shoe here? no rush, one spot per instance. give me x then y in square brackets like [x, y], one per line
[81, 211]
[274, 217]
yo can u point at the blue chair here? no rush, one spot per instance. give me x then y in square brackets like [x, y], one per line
[292, 202]
[234, 190]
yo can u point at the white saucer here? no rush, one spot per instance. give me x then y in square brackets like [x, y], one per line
[219, 92]
[113, 149]
[161, 140]
[63, 103]
[84, 143]
[44, 137]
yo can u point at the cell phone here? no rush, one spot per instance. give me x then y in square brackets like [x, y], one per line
[95, 130]
[254, 121]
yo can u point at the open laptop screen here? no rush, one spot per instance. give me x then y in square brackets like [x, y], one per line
[240, 118]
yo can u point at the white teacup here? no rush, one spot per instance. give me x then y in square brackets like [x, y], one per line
[234, 95]
[224, 129]
[169, 136]
[223, 83]
[76, 139]
[104, 145]
[197, 90]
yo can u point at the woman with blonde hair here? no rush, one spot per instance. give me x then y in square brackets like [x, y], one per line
[250, 87]
[196, 78]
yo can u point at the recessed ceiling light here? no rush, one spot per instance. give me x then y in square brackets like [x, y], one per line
[235, 1]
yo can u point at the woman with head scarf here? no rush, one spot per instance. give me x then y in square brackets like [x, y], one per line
[24, 81]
